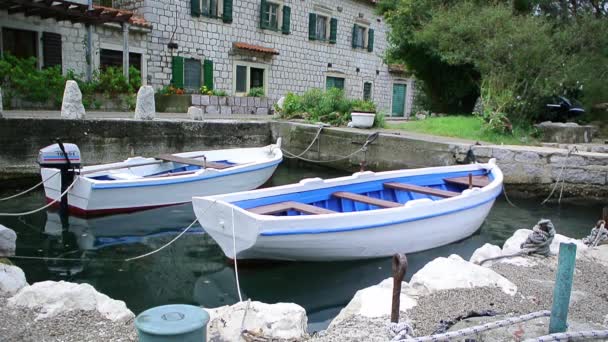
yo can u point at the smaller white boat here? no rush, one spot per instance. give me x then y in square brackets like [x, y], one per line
[143, 183]
[366, 215]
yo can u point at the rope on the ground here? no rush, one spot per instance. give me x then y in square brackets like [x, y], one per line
[401, 330]
[478, 329]
[598, 235]
[559, 177]
[44, 207]
[538, 242]
[30, 189]
[571, 336]
[236, 270]
[293, 156]
[363, 148]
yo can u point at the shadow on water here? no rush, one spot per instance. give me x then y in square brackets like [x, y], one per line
[194, 270]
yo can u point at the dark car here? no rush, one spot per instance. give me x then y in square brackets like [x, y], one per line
[561, 109]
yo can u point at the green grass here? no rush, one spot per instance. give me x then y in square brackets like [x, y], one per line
[465, 127]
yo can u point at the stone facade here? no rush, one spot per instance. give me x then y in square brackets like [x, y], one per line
[73, 40]
[301, 64]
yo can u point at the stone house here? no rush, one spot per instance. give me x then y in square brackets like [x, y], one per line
[236, 45]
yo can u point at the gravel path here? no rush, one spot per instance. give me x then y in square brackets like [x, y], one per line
[20, 325]
[589, 301]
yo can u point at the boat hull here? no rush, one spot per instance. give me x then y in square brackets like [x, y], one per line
[416, 226]
[90, 197]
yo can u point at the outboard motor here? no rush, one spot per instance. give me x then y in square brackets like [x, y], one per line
[66, 158]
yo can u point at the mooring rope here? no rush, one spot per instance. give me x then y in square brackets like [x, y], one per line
[44, 207]
[478, 329]
[559, 177]
[236, 269]
[115, 259]
[363, 148]
[504, 191]
[30, 189]
[571, 336]
[293, 156]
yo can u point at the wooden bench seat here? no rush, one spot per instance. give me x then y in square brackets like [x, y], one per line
[366, 199]
[192, 161]
[282, 207]
[421, 189]
[476, 181]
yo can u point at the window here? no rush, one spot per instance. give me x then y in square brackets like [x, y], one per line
[334, 82]
[113, 58]
[367, 91]
[212, 9]
[187, 73]
[19, 43]
[270, 16]
[248, 76]
[192, 75]
[359, 33]
[321, 29]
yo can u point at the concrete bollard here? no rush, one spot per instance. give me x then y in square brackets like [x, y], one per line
[183, 323]
[145, 108]
[71, 106]
[563, 288]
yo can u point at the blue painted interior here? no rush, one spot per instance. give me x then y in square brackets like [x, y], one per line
[323, 197]
[175, 170]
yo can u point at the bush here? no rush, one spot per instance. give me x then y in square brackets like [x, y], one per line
[256, 92]
[364, 106]
[219, 93]
[170, 90]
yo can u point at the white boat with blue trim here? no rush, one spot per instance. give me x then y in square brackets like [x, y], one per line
[366, 215]
[143, 183]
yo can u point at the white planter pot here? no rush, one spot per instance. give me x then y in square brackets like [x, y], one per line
[363, 120]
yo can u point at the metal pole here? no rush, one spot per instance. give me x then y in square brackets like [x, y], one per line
[89, 51]
[125, 50]
[399, 269]
[563, 288]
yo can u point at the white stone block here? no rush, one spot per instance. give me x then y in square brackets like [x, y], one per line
[195, 113]
[71, 107]
[212, 110]
[145, 108]
[8, 241]
[281, 321]
[54, 298]
[262, 111]
[12, 279]
[484, 252]
[196, 100]
[225, 110]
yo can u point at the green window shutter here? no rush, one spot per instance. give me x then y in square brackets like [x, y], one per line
[354, 36]
[263, 9]
[208, 73]
[370, 40]
[286, 19]
[333, 31]
[177, 72]
[195, 8]
[312, 26]
[227, 13]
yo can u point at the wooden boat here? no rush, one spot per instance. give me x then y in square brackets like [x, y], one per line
[366, 215]
[143, 183]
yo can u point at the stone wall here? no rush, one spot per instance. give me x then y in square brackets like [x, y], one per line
[227, 105]
[301, 64]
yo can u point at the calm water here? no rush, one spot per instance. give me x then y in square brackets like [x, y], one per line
[193, 270]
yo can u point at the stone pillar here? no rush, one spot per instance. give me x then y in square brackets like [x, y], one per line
[125, 50]
[145, 108]
[195, 113]
[71, 107]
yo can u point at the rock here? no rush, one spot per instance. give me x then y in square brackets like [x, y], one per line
[145, 108]
[281, 102]
[57, 297]
[420, 116]
[484, 252]
[8, 241]
[478, 107]
[195, 113]
[71, 107]
[455, 273]
[512, 245]
[376, 301]
[597, 254]
[565, 133]
[282, 321]
[12, 279]
[516, 332]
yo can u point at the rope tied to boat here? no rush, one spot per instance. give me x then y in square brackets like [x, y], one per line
[44, 207]
[370, 139]
[537, 243]
[598, 235]
[559, 177]
[30, 189]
